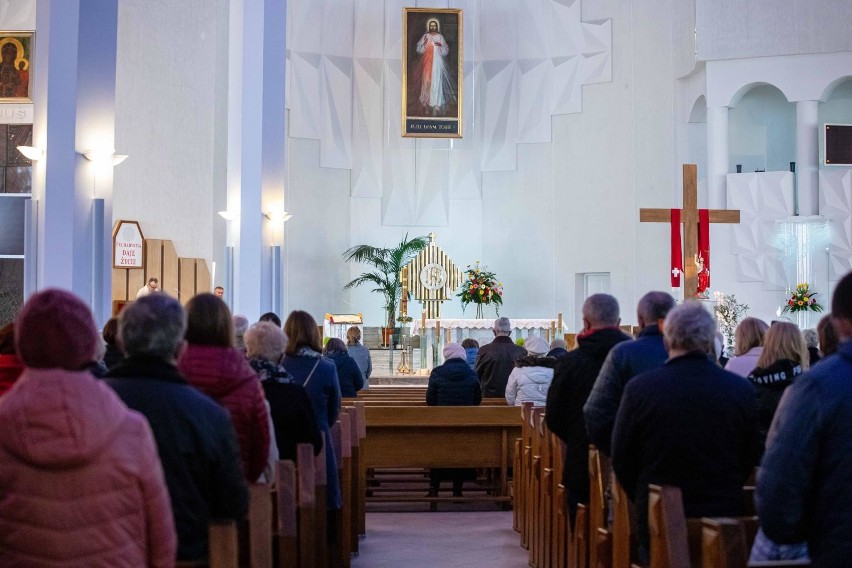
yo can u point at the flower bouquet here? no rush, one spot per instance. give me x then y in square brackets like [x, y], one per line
[729, 313]
[480, 287]
[801, 300]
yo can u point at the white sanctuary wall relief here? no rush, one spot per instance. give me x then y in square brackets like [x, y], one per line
[523, 63]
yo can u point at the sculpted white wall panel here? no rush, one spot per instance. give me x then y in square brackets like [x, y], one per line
[368, 83]
[534, 86]
[566, 37]
[398, 206]
[498, 23]
[431, 197]
[337, 25]
[532, 19]
[336, 134]
[393, 28]
[305, 94]
[835, 203]
[762, 198]
[369, 27]
[305, 20]
[499, 152]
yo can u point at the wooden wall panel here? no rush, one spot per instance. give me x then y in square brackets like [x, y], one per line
[154, 259]
[186, 279]
[202, 276]
[135, 280]
[119, 284]
[169, 283]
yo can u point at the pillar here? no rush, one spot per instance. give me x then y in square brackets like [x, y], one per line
[807, 156]
[717, 156]
[256, 132]
[74, 111]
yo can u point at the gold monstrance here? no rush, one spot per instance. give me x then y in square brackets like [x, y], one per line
[431, 277]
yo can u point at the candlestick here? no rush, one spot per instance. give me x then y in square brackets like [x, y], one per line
[559, 322]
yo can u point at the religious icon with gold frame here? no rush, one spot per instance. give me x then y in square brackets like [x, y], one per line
[16, 77]
[432, 72]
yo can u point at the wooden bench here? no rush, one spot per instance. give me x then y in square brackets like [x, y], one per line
[408, 401]
[441, 437]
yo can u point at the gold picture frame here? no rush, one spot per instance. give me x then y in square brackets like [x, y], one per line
[432, 72]
[16, 76]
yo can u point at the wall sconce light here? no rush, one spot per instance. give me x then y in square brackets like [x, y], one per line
[228, 215]
[282, 216]
[104, 155]
[34, 153]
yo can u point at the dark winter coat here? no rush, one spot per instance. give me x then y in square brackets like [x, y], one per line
[494, 363]
[113, 356]
[690, 424]
[803, 489]
[625, 361]
[291, 409]
[323, 389]
[350, 376]
[197, 447]
[453, 384]
[770, 384]
[572, 382]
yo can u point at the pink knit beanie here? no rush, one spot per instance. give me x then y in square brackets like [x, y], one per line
[453, 350]
[55, 329]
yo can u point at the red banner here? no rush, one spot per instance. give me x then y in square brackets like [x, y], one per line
[703, 250]
[677, 251]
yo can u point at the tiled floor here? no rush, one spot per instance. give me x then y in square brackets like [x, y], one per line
[441, 540]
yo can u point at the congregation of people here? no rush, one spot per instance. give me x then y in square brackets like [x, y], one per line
[157, 425]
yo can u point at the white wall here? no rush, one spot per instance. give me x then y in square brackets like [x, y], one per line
[729, 29]
[762, 131]
[171, 83]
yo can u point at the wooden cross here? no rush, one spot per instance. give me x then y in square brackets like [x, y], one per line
[689, 219]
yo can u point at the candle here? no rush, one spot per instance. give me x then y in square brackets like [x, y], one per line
[559, 322]
[423, 322]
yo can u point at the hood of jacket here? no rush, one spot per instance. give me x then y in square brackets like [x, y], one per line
[779, 374]
[57, 418]
[537, 375]
[217, 371]
[597, 343]
[535, 361]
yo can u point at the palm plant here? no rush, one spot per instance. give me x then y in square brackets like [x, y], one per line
[388, 263]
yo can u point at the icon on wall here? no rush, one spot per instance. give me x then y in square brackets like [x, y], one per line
[432, 72]
[15, 73]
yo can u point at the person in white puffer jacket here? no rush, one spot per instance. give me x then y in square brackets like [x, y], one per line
[531, 377]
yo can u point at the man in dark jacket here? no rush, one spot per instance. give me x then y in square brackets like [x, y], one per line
[625, 361]
[689, 424]
[452, 384]
[195, 438]
[496, 360]
[572, 382]
[803, 489]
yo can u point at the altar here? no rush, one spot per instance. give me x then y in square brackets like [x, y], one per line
[436, 332]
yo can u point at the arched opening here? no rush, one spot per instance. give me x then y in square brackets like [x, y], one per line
[761, 130]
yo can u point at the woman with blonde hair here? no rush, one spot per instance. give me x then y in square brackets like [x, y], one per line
[748, 346]
[784, 357]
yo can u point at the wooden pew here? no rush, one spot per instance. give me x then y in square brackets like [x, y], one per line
[260, 526]
[407, 401]
[287, 506]
[520, 467]
[622, 511]
[726, 543]
[442, 437]
[342, 436]
[561, 526]
[222, 547]
[600, 538]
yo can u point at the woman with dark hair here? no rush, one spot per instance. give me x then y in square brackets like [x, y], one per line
[348, 373]
[828, 338]
[212, 365]
[113, 354]
[304, 362]
[10, 366]
[360, 353]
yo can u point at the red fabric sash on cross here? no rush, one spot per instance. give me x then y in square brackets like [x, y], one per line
[677, 252]
[704, 242]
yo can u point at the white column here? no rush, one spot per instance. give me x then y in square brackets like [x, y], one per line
[74, 111]
[717, 155]
[807, 156]
[255, 146]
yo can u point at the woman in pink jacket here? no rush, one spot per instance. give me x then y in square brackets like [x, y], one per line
[80, 480]
[212, 365]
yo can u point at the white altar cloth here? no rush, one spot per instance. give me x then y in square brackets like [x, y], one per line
[481, 324]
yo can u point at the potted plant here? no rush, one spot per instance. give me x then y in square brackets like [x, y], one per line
[387, 264]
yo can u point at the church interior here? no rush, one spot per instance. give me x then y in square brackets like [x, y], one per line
[565, 147]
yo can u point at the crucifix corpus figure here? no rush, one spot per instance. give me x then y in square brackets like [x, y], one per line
[696, 235]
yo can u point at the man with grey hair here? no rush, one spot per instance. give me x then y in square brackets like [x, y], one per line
[496, 360]
[625, 361]
[572, 382]
[689, 424]
[195, 439]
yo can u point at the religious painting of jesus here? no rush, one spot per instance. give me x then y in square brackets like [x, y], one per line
[432, 73]
[15, 72]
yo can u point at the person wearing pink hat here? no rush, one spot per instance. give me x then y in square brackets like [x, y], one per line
[452, 384]
[82, 482]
